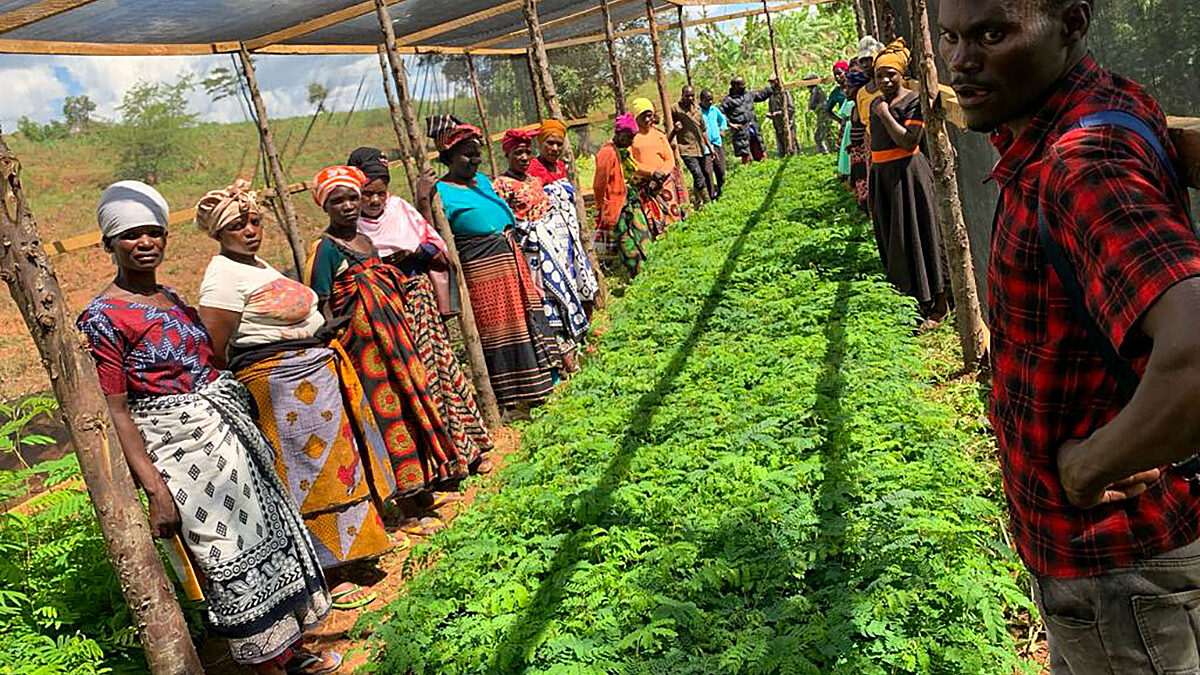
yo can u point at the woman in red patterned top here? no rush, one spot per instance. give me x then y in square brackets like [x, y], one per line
[186, 431]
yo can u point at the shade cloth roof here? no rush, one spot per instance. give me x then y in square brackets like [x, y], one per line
[163, 27]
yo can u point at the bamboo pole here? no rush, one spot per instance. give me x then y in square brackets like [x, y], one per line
[34, 286]
[394, 110]
[665, 98]
[290, 228]
[487, 134]
[536, 81]
[789, 125]
[618, 81]
[554, 110]
[972, 331]
[427, 202]
[683, 43]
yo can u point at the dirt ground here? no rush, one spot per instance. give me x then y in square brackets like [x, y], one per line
[333, 633]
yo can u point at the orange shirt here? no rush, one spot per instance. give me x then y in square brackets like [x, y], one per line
[609, 186]
[652, 151]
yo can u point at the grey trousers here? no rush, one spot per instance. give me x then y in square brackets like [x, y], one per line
[1139, 619]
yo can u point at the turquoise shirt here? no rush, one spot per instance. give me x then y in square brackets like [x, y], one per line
[475, 211]
[715, 123]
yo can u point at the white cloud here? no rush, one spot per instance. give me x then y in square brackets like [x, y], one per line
[35, 86]
[28, 93]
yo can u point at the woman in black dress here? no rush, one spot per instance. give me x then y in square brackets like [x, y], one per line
[902, 197]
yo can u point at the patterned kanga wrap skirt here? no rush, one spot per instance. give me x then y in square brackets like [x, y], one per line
[261, 575]
[329, 452]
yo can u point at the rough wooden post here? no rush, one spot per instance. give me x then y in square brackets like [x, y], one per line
[869, 19]
[789, 125]
[484, 395]
[683, 43]
[972, 331]
[553, 109]
[31, 280]
[618, 81]
[886, 21]
[290, 228]
[536, 81]
[661, 78]
[860, 19]
[394, 110]
[487, 134]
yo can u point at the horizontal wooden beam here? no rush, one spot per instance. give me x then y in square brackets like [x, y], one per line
[34, 12]
[588, 39]
[58, 48]
[313, 25]
[443, 28]
[546, 25]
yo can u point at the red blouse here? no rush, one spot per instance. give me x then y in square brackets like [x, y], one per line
[549, 174]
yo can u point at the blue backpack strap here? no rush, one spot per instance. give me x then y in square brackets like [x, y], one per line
[1127, 378]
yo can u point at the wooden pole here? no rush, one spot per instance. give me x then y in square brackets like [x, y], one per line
[487, 134]
[665, 98]
[860, 19]
[683, 43]
[402, 142]
[34, 286]
[618, 81]
[789, 125]
[290, 228]
[554, 110]
[887, 21]
[972, 331]
[428, 204]
[872, 26]
[536, 81]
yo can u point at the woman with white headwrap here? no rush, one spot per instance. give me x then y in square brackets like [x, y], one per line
[310, 404]
[186, 431]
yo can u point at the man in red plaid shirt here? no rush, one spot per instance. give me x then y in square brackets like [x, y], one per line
[1103, 518]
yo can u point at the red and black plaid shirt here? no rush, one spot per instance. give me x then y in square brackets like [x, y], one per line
[1125, 230]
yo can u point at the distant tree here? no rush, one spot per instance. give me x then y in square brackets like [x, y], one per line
[317, 94]
[222, 83]
[149, 139]
[40, 133]
[77, 111]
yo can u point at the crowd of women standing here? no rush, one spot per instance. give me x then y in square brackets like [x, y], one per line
[890, 177]
[288, 432]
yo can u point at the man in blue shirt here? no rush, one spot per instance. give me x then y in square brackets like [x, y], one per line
[715, 122]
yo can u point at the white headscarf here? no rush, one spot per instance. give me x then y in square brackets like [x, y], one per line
[129, 204]
[869, 46]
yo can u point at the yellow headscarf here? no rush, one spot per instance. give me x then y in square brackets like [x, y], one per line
[896, 55]
[551, 127]
[640, 106]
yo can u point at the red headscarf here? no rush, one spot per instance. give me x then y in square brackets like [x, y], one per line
[843, 66]
[516, 138]
[337, 176]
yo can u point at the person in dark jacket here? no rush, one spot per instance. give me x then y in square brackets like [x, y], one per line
[738, 107]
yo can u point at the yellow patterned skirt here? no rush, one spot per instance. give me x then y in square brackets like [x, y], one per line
[329, 452]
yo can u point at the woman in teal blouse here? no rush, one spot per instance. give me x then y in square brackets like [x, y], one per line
[519, 352]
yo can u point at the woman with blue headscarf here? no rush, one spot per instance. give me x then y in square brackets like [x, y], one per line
[186, 431]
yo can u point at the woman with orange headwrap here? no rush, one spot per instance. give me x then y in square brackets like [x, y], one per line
[902, 196]
[547, 230]
[363, 294]
[267, 329]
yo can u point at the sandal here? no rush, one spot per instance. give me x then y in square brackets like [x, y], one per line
[422, 527]
[441, 499]
[308, 663]
[483, 466]
[362, 601]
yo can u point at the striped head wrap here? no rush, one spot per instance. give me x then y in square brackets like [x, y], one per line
[448, 131]
[335, 177]
[219, 208]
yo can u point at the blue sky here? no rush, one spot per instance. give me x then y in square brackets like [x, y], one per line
[35, 86]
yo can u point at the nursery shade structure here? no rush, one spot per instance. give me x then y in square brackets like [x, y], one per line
[175, 27]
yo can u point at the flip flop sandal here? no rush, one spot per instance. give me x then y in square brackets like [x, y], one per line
[338, 595]
[355, 604]
[441, 499]
[483, 466]
[310, 664]
[423, 527]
